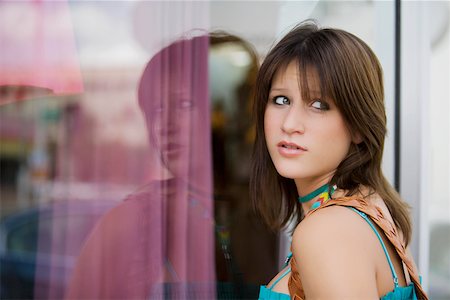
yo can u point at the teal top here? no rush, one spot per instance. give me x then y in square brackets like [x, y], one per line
[266, 293]
[399, 292]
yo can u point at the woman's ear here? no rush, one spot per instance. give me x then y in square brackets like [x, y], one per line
[356, 138]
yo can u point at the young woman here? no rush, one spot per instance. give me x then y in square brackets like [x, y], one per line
[320, 129]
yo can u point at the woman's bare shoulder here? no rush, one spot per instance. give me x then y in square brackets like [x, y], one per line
[332, 224]
[334, 250]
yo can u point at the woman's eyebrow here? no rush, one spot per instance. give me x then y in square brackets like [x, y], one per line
[278, 89]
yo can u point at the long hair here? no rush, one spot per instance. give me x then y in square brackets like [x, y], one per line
[351, 75]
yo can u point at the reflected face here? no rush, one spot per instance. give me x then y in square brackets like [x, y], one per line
[172, 115]
[306, 138]
[173, 95]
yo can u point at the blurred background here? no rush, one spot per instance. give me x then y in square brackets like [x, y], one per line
[74, 142]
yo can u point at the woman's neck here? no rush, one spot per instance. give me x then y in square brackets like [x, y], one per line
[306, 189]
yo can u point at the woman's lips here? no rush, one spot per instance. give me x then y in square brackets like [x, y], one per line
[289, 149]
[172, 150]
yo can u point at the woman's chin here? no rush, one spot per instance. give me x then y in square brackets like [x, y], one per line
[289, 174]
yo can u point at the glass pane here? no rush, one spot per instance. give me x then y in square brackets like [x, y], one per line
[439, 200]
[106, 184]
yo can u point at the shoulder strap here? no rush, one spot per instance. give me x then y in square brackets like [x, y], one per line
[294, 284]
[377, 216]
[391, 266]
[279, 278]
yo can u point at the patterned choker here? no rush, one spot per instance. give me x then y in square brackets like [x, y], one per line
[324, 193]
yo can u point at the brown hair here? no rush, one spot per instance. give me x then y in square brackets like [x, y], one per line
[349, 74]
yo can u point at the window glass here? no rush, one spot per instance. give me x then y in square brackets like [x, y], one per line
[439, 200]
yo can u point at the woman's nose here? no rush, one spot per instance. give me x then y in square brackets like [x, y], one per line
[169, 122]
[293, 121]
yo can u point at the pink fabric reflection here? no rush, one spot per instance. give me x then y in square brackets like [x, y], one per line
[37, 50]
[158, 243]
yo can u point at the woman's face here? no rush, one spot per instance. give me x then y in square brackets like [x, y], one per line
[173, 116]
[174, 104]
[173, 95]
[306, 138]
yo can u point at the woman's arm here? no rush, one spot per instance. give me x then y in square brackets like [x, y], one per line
[335, 252]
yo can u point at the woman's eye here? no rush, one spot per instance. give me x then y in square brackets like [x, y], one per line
[321, 105]
[158, 109]
[184, 104]
[281, 100]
